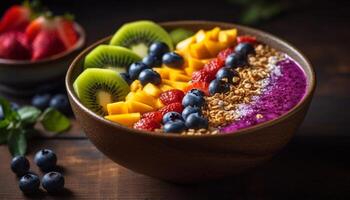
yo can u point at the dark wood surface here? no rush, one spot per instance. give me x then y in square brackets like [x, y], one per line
[315, 165]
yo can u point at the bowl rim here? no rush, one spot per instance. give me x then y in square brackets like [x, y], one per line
[296, 108]
[78, 45]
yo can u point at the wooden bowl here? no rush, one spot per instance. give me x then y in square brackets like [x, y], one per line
[184, 159]
[17, 76]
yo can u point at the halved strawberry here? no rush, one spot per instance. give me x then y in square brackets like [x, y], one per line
[213, 66]
[246, 38]
[203, 76]
[171, 96]
[146, 124]
[16, 18]
[173, 107]
[46, 44]
[202, 86]
[154, 115]
[14, 45]
[224, 53]
[67, 32]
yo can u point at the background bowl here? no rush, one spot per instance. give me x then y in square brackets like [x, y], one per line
[193, 158]
[21, 77]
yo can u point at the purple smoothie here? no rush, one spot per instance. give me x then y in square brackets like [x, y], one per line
[284, 90]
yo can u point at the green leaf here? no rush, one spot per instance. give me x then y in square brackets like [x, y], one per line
[17, 142]
[29, 114]
[10, 115]
[54, 121]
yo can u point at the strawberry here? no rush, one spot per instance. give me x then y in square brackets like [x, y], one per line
[246, 38]
[171, 96]
[213, 66]
[202, 76]
[173, 107]
[154, 115]
[202, 86]
[16, 18]
[146, 124]
[64, 27]
[45, 44]
[224, 53]
[14, 45]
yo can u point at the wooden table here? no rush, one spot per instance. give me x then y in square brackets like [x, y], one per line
[315, 165]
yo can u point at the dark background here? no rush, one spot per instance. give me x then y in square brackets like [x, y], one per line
[315, 165]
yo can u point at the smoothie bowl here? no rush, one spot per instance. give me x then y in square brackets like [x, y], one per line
[218, 102]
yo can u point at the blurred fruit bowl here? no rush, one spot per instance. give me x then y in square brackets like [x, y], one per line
[17, 76]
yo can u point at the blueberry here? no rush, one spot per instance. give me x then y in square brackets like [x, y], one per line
[126, 77]
[189, 110]
[53, 182]
[226, 73]
[152, 61]
[14, 106]
[176, 126]
[41, 101]
[135, 69]
[245, 48]
[236, 60]
[20, 165]
[196, 121]
[173, 59]
[192, 100]
[218, 86]
[172, 116]
[60, 102]
[149, 76]
[29, 183]
[2, 116]
[158, 49]
[197, 92]
[45, 159]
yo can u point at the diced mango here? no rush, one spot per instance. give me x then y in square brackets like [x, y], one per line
[195, 64]
[130, 96]
[176, 84]
[199, 50]
[172, 70]
[117, 108]
[134, 106]
[179, 77]
[152, 90]
[200, 36]
[189, 71]
[183, 45]
[162, 72]
[125, 119]
[214, 34]
[214, 47]
[135, 86]
[143, 97]
[165, 87]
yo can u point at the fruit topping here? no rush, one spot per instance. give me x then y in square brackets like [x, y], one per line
[213, 66]
[224, 53]
[158, 49]
[139, 35]
[146, 124]
[173, 59]
[45, 159]
[180, 34]
[176, 126]
[202, 76]
[171, 117]
[236, 60]
[226, 74]
[149, 76]
[125, 119]
[154, 115]
[246, 38]
[126, 77]
[245, 48]
[152, 61]
[110, 57]
[20, 165]
[202, 86]
[196, 121]
[97, 87]
[171, 96]
[197, 92]
[218, 86]
[191, 99]
[53, 182]
[29, 183]
[136, 68]
[189, 110]
[175, 107]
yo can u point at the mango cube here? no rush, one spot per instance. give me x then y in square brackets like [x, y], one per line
[128, 119]
[135, 86]
[134, 106]
[152, 90]
[117, 108]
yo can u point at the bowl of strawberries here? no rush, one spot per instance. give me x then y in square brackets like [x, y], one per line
[35, 47]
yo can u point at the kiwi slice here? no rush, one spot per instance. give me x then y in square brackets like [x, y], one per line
[111, 57]
[139, 35]
[98, 87]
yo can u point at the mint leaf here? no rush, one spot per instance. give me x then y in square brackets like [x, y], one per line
[54, 121]
[29, 114]
[17, 142]
[9, 114]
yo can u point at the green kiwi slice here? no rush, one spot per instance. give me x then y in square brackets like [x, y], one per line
[111, 57]
[139, 35]
[97, 87]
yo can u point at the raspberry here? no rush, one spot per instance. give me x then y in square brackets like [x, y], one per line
[173, 107]
[224, 53]
[202, 86]
[213, 66]
[246, 38]
[171, 96]
[202, 76]
[154, 115]
[146, 124]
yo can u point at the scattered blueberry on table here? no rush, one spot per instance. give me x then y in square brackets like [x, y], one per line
[20, 165]
[53, 182]
[45, 159]
[29, 183]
